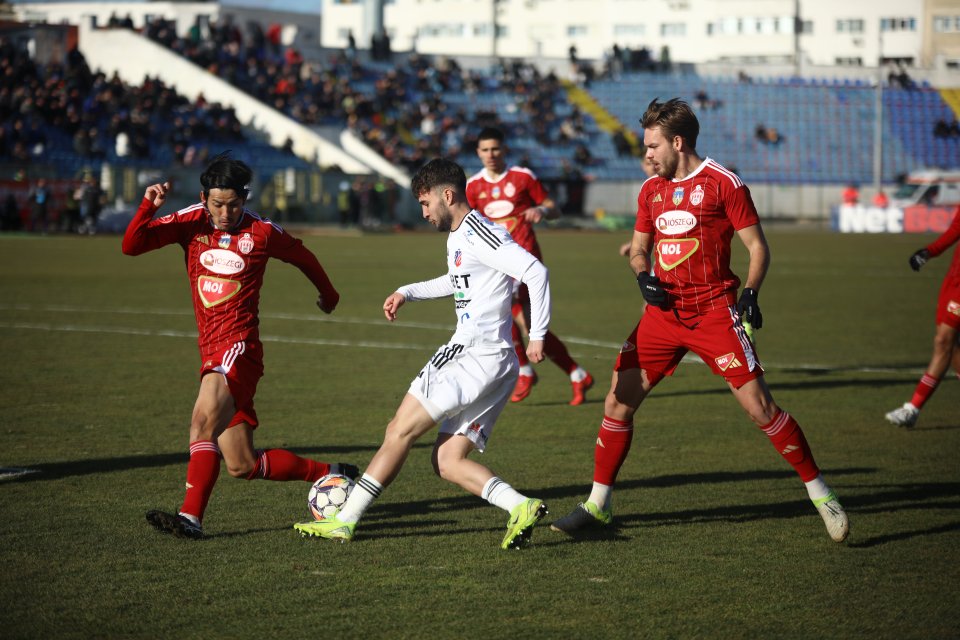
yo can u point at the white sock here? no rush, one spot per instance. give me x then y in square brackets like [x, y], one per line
[526, 370]
[817, 488]
[364, 493]
[578, 374]
[192, 518]
[600, 495]
[910, 405]
[501, 494]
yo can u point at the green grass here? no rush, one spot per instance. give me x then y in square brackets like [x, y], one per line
[717, 538]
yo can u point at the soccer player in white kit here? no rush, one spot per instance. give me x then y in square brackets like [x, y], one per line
[467, 383]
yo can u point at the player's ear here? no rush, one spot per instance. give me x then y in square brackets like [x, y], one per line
[203, 197]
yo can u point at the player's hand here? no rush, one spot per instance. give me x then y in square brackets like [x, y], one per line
[157, 193]
[625, 249]
[653, 292]
[535, 351]
[534, 214]
[392, 304]
[748, 308]
[326, 304]
[919, 258]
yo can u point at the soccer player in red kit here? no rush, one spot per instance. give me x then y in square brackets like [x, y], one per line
[946, 341]
[687, 215]
[515, 198]
[226, 248]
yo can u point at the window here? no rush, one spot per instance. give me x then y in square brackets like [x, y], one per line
[576, 30]
[442, 30]
[806, 27]
[898, 24]
[852, 61]
[673, 29]
[850, 25]
[627, 30]
[946, 24]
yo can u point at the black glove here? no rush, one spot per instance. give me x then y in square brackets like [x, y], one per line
[653, 292]
[748, 308]
[918, 259]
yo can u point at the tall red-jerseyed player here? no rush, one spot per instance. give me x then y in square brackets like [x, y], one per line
[946, 341]
[515, 198]
[226, 248]
[687, 214]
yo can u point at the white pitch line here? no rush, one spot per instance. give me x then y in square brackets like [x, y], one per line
[825, 368]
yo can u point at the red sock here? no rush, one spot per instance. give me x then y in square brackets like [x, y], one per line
[202, 472]
[557, 352]
[613, 444]
[787, 437]
[925, 388]
[282, 465]
[518, 345]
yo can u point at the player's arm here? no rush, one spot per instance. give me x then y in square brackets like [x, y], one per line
[537, 279]
[284, 246]
[546, 210]
[439, 287]
[938, 246]
[140, 235]
[759, 252]
[650, 286]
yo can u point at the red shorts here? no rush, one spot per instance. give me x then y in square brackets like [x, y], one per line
[662, 338]
[242, 366]
[948, 305]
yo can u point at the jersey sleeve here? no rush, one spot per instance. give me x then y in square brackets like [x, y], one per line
[643, 224]
[951, 235]
[740, 208]
[146, 234]
[538, 193]
[439, 287]
[291, 250]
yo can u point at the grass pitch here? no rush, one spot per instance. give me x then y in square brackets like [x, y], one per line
[716, 537]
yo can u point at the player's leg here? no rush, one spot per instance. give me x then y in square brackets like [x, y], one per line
[944, 348]
[554, 348]
[410, 422]
[211, 414]
[244, 461]
[788, 439]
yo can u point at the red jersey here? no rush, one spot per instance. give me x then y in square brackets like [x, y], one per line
[941, 244]
[506, 199]
[692, 222]
[225, 270]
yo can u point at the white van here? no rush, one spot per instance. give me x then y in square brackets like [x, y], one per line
[930, 187]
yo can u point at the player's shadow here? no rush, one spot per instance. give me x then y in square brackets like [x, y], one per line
[72, 468]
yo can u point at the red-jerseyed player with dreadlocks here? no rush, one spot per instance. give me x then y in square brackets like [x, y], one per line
[226, 248]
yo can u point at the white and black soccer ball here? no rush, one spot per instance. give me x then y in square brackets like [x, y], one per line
[328, 495]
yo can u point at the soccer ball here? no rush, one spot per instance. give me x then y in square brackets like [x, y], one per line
[328, 495]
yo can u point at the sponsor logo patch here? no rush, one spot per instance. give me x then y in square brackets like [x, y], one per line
[671, 253]
[226, 263]
[498, 209]
[627, 346]
[697, 196]
[166, 219]
[675, 223]
[214, 291]
[677, 196]
[728, 361]
[953, 307]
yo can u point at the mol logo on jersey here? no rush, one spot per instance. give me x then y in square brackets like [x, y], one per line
[226, 263]
[953, 307]
[675, 223]
[672, 253]
[214, 291]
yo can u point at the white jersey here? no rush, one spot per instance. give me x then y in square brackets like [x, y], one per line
[483, 261]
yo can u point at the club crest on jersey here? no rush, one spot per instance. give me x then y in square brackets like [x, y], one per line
[224, 241]
[697, 196]
[457, 257]
[953, 307]
[675, 223]
[677, 196]
[214, 291]
[509, 190]
[245, 244]
[166, 219]
[495, 192]
[671, 253]
[728, 361]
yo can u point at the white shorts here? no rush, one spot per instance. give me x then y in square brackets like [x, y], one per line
[466, 388]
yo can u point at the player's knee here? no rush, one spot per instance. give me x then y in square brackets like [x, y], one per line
[943, 342]
[240, 468]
